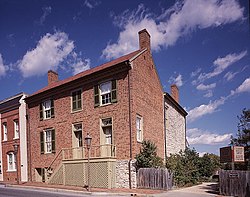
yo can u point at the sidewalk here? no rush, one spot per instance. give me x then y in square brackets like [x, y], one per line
[94, 191]
[204, 189]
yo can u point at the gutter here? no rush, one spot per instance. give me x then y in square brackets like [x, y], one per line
[130, 130]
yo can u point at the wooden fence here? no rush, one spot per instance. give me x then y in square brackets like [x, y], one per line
[234, 183]
[154, 178]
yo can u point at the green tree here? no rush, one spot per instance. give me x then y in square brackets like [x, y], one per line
[209, 164]
[243, 135]
[147, 158]
[185, 167]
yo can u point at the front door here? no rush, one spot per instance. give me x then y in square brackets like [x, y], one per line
[78, 151]
[106, 137]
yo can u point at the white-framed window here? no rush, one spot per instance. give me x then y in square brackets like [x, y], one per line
[16, 129]
[139, 127]
[5, 131]
[47, 141]
[47, 109]
[107, 130]
[11, 161]
[105, 92]
[77, 129]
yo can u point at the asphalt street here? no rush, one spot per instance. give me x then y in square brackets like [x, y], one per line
[19, 192]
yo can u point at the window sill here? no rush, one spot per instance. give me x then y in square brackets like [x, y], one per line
[103, 105]
[10, 170]
[139, 141]
[75, 111]
[16, 138]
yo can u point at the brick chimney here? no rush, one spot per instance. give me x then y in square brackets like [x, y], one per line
[175, 92]
[52, 77]
[144, 39]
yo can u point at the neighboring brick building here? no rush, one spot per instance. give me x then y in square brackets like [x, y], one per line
[175, 123]
[13, 131]
[119, 103]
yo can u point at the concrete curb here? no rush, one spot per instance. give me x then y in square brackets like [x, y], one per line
[61, 190]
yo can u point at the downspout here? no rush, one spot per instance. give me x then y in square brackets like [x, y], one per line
[165, 132]
[28, 144]
[130, 131]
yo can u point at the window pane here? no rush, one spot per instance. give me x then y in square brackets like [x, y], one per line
[105, 88]
[47, 104]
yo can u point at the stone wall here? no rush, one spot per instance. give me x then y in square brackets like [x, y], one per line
[122, 174]
[175, 129]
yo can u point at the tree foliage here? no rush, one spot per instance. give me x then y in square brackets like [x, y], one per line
[184, 166]
[147, 158]
[189, 168]
[209, 164]
[243, 135]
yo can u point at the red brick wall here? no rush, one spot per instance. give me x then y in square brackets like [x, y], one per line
[89, 116]
[52, 76]
[147, 99]
[175, 92]
[7, 146]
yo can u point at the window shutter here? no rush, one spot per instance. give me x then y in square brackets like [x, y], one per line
[53, 141]
[96, 96]
[114, 92]
[41, 111]
[42, 142]
[52, 108]
[79, 99]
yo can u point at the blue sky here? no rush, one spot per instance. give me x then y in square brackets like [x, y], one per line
[202, 46]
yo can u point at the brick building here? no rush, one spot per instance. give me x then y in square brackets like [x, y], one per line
[13, 132]
[119, 103]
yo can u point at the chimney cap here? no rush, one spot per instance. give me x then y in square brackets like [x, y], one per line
[52, 71]
[144, 30]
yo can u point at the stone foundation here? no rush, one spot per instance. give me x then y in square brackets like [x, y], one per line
[122, 174]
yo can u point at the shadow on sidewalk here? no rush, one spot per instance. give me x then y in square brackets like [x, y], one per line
[212, 188]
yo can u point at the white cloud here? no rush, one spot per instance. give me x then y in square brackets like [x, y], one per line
[178, 80]
[79, 64]
[203, 109]
[198, 136]
[91, 3]
[3, 68]
[178, 21]
[196, 72]
[244, 87]
[221, 64]
[230, 75]
[209, 94]
[50, 51]
[206, 87]
[46, 12]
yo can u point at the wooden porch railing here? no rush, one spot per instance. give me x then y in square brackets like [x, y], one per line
[107, 150]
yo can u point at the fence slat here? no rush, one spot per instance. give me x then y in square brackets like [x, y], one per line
[154, 178]
[234, 183]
